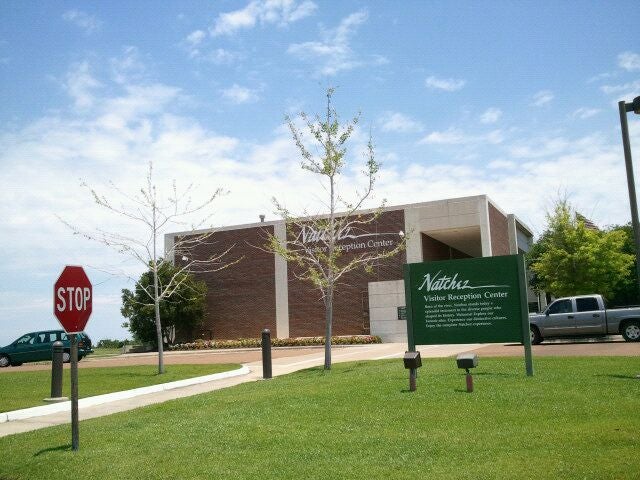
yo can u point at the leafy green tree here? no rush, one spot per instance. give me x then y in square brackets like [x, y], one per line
[572, 259]
[626, 292]
[181, 311]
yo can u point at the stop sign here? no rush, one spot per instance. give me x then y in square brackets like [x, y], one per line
[72, 299]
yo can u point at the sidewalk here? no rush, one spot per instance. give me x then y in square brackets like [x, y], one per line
[281, 366]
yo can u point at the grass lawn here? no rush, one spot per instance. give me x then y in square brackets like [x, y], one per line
[577, 418]
[105, 352]
[27, 389]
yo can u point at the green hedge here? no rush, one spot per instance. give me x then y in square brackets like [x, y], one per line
[276, 342]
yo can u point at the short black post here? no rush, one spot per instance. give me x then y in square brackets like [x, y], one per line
[56, 370]
[266, 353]
[413, 373]
[469, 382]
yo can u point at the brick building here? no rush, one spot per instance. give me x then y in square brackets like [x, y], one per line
[261, 290]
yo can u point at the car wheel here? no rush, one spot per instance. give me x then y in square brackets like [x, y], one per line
[631, 331]
[66, 357]
[4, 361]
[536, 338]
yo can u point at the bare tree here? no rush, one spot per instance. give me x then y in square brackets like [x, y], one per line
[315, 244]
[155, 216]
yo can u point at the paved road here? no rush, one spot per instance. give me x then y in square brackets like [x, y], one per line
[566, 348]
[614, 346]
[173, 358]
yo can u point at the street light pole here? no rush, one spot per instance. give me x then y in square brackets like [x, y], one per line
[624, 108]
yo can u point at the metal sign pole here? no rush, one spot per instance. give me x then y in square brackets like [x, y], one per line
[524, 306]
[75, 431]
[411, 344]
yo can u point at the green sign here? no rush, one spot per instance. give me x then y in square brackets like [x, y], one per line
[476, 300]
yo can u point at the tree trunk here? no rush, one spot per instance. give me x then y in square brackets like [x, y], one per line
[156, 305]
[327, 332]
[156, 293]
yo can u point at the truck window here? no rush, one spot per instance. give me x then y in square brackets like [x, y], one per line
[561, 306]
[587, 304]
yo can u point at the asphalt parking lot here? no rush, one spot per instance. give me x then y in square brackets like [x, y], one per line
[612, 346]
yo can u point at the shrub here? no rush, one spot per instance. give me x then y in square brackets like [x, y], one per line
[112, 343]
[200, 344]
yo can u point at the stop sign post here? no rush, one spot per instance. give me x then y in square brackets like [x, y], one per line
[72, 306]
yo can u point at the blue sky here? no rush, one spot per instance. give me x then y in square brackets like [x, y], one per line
[517, 100]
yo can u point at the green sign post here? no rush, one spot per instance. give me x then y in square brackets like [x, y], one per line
[476, 300]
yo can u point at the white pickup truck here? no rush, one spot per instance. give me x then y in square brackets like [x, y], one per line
[584, 315]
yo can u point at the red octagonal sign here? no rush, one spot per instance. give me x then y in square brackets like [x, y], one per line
[72, 299]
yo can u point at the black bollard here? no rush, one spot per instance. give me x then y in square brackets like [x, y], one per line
[266, 353]
[56, 373]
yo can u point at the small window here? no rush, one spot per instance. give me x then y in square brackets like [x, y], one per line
[561, 306]
[588, 304]
[53, 336]
[63, 336]
[42, 338]
[27, 340]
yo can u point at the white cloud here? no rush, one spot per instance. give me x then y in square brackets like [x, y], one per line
[278, 12]
[445, 84]
[626, 91]
[629, 61]
[196, 37]
[540, 147]
[584, 113]
[454, 136]
[601, 76]
[88, 23]
[491, 115]
[543, 97]
[128, 67]
[221, 56]
[80, 85]
[195, 45]
[502, 165]
[238, 94]
[397, 122]
[334, 52]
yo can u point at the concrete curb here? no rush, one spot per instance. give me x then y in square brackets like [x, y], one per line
[26, 413]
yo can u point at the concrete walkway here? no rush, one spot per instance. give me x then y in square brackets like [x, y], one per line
[281, 366]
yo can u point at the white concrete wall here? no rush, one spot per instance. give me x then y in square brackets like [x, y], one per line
[446, 215]
[384, 300]
[282, 286]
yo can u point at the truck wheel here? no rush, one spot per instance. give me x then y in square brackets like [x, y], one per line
[536, 338]
[4, 361]
[631, 331]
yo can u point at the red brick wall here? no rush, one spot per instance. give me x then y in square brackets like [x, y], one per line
[350, 311]
[241, 298]
[499, 232]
